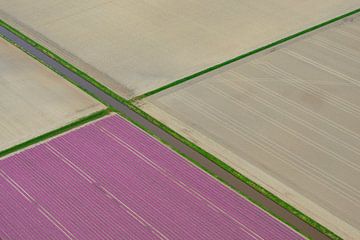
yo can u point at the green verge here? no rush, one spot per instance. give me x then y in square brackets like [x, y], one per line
[56, 132]
[209, 156]
[273, 44]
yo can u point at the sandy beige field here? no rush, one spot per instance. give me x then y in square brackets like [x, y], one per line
[289, 120]
[137, 46]
[35, 100]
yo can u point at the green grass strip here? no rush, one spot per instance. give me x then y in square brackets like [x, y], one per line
[209, 156]
[273, 44]
[55, 132]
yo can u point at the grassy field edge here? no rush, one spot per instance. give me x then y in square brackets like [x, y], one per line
[53, 133]
[209, 156]
[270, 45]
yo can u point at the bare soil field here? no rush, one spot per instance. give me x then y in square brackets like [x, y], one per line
[289, 120]
[137, 46]
[34, 99]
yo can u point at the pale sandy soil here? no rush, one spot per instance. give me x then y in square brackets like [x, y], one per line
[289, 120]
[35, 100]
[137, 46]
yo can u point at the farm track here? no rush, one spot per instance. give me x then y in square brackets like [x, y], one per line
[130, 113]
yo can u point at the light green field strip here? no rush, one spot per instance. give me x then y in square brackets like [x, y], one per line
[35, 100]
[248, 54]
[134, 47]
[289, 120]
[55, 132]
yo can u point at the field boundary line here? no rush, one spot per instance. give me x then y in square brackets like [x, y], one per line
[242, 56]
[76, 123]
[130, 104]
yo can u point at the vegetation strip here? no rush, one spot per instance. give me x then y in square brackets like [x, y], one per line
[55, 132]
[131, 106]
[273, 44]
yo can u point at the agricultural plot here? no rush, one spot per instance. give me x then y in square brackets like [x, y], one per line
[136, 46]
[35, 100]
[110, 180]
[288, 120]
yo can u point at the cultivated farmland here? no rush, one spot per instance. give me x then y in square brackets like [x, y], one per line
[35, 100]
[289, 120]
[137, 46]
[110, 180]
